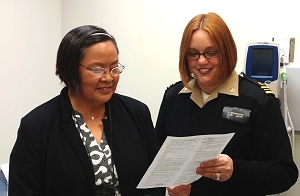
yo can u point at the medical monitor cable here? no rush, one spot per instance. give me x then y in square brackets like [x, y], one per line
[287, 117]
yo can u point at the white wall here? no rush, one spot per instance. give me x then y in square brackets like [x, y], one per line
[29, 36]
[148, 34]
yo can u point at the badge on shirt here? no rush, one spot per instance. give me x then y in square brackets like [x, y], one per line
[236, 114]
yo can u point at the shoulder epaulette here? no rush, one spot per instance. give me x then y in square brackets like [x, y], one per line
[173, 84]
[266, 88]
[260, 84]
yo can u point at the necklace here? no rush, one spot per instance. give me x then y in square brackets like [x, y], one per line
[91, 117]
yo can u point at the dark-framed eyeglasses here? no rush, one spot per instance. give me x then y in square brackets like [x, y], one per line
[100, 72]
[208, 55]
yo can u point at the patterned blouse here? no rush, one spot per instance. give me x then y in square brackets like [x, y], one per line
[100, 155]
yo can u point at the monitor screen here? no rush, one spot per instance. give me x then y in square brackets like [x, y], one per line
[262, 61]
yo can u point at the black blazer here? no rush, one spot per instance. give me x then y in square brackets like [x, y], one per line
[49, 157]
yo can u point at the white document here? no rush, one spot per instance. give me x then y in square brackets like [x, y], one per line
[178, 158]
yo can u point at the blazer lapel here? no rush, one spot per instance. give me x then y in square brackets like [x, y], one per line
[71, 133]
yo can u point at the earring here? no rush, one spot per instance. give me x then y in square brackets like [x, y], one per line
[192, 75]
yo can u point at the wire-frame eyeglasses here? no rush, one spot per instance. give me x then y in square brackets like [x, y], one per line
[100, 72]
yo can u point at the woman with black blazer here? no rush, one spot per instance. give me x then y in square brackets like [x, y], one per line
[89, 140]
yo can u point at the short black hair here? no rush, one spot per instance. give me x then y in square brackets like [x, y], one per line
[71, 52]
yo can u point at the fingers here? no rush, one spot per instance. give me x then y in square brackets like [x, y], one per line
[219, 169]
[181, 190]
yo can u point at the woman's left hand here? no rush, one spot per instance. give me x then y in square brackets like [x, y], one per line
[181, 190]
[219, 169]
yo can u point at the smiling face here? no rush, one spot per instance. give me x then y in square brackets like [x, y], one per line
[95, 90]
[205, 70]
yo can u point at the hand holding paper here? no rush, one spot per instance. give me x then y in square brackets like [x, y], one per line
[178, 158]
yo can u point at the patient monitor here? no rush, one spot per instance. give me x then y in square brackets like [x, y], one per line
[262, 62]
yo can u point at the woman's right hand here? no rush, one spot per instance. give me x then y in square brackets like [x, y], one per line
[181, 190]
[219, 169]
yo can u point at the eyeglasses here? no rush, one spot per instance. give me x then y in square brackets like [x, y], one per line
[100, 72]
[208, 55]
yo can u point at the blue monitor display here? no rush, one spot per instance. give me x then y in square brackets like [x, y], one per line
[262, 61]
